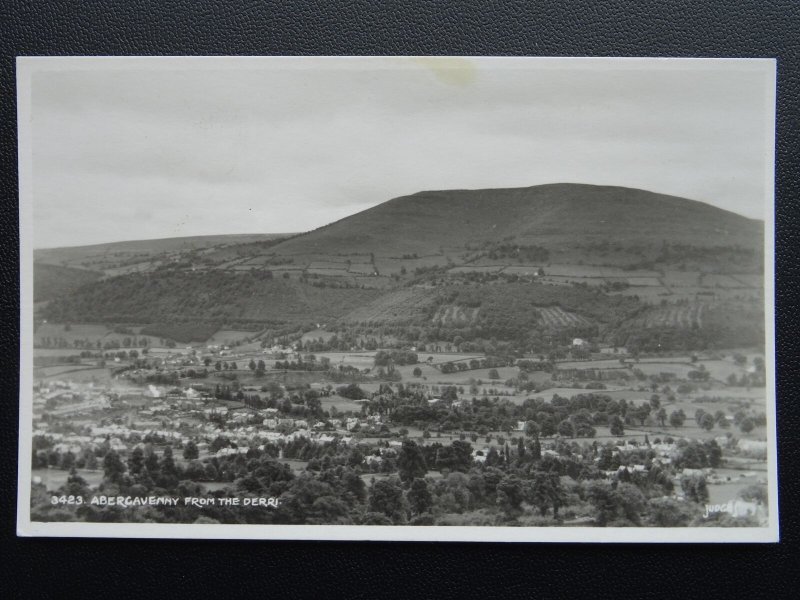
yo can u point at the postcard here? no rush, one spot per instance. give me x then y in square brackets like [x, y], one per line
[397, 298]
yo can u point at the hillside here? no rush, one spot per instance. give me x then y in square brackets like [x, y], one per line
[535, 265]
[51, 281]
[100, 257]
[546, 215]
[216, 298]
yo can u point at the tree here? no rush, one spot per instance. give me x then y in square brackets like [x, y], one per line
[747, 425]
[456, 457]
[566, 429]
[532, 429]
[510, 496]
[136, 461]
[113, 467]
[677, 418]
[252, 365]
[351, 391]
[386, 497]
[417, 372]
[75, 485]
[411, 462]
[662, 416]
[668, 512]
[754, 493]
[624, 504]
[493, 374]
[616, 426]
[544, 491]
[707, 421]
[419, 497]
[190, 451]
[694, 488]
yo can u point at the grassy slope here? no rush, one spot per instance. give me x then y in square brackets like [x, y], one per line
[51, 281]
[77, 254]
[555, 214]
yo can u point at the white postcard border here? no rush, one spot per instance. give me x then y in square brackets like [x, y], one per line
[27, 66]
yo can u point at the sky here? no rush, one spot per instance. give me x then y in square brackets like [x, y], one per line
[126, 149]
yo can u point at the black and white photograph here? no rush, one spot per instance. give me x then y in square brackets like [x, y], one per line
[397, 298]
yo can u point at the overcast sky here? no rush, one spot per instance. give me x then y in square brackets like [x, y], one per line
[135, 149]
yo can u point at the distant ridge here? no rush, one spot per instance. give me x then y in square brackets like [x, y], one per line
[152, 246]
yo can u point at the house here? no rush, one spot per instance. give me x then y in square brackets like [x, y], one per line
[578, 342]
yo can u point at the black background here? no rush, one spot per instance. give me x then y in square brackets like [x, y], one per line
[123, 568]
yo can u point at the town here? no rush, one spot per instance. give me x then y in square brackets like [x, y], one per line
[591, 435]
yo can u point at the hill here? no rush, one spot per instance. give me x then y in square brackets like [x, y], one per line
[211, 299]
[536, 266]
[552, 216]
[51, 281]
[114, 255]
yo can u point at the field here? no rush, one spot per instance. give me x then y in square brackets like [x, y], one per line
[674, 316]
[91, 333]
[340, 404]
[75, 373]
[317, 334]
[455, 315]
[396, 307]
[229, 336]
[721, 493]
[464, 377]
[557, 317]
[55, 478]
[360, 360]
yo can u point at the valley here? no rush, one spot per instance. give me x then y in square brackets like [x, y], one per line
[562, 354]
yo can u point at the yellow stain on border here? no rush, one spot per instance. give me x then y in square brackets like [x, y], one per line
[455, 71]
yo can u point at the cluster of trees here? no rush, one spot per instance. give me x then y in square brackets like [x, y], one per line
[309, 363]
[488, 362]
[186, 306]
[577, 416]
[352, 391]
[512, 485]
[384, 358]
[85, 343]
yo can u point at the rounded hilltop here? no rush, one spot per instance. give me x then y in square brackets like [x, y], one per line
[553, 215]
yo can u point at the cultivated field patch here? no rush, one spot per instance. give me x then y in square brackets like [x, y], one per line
[556, 317]
[455, 315]
[362, 268]
[675, 316]
[398, 306]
